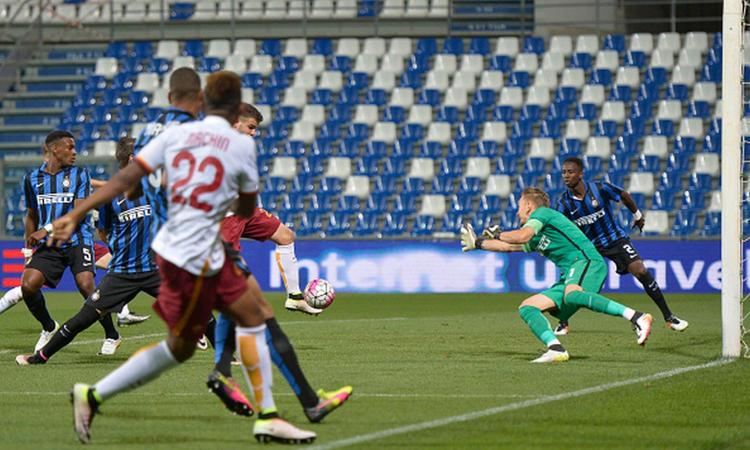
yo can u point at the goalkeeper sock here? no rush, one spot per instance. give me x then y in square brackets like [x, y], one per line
[10, 299]
[538, 324]
[599, 303]
[256, 365]
[285, 359]
[287, 262]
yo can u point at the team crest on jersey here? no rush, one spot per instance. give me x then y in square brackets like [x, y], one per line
[66, 182]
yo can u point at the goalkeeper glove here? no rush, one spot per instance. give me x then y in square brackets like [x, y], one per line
[469, 240]
[492, 232]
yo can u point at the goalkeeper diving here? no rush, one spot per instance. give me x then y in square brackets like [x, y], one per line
[583, 270]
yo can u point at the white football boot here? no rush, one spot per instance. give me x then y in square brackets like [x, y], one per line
[296, 302]
[44, 337]
[643, 328]
[677, 324]
[553, 356]
[110, 346]
[279, 430]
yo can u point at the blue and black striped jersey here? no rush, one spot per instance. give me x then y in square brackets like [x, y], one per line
[129, 225]
[593, 214]
[52, 196]
[152, 185]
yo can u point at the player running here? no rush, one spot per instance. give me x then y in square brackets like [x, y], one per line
[126, 225]
[50, 192]
[582, 269]
[207, 165]
[262, 226]
[588, 205]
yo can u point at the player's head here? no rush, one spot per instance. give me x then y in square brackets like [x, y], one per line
[572, 171]
[223, 95]
[185, 90]
[60, 146]
[531, 199]
[249, 120]
[124, 151]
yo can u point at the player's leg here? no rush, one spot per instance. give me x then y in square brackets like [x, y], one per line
[32, 281]
[531, 311]
[86, 317]
[639, 271]
[127, 317]
[582, 284]
[220, 380]
[112, 340]
[11, 299]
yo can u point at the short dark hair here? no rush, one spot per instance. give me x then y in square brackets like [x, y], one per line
[184, 84]
[248, 110]
[536, 196]
[223, 91]
[55, 136]
[124, 149]
[574, 160]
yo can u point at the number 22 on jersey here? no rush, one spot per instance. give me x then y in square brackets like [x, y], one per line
[193, 200]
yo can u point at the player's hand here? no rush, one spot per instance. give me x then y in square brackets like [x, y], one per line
[35, 237]
[639, 223]
[62, 230]
[492, 232]
[468, 238]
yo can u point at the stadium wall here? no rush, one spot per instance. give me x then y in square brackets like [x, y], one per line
[422, 266]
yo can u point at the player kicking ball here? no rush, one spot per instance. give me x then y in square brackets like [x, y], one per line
[582, 269]
[588, 205]
[208, 167]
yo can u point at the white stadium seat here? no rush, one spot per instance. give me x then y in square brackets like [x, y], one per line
[267, 113]
[683, 75]
[392, 63]
[472, 63]
[642, 42]
[248, 95]
[691, 127]
[422, 168]
[708, 163]
[245, 47]
[526, 62]
[613, 110]
[294, 96]
[393, 8]
[315, 114]
[160, 98]
[400, 46]
[690, 58]
[553, 61]
[662, 58]
[385, 132]
[593, 93]
[498, 185]
[697, 40]
[478, 166]
[384, 80]
[445, 63]
[284, 167]
[546, 78]
[465, 80]
[105, 148]
[657, 222]
[587, 43]
[366, 63]
[348, 47]
[491, 79]
[439, 132]
[669, 110]
[262, 64]
[236, 64]
[607, 59]
[433, 205]
[669, 42]
[417, 8]
[538, 95]
[628, 76]
[322, 9]
[507, 46]
[276, 9]
[332, 80]
[511, 96]
[599, 146]
[561, 44]
[641, 183]
[420, 114]
[295, 47]
[403, 97]
[338, 167]
[218, 48]
[183, 61]
[345, 9]
[367, 114]
[314, 63]
[577, 129]
[705, 91]
[655, 146]
[303, 131]
[714, 202]
[456, 97]
[167, 49]
[439, 8]
[374, 46]
[305, 80]
[106, 67]
[437, 80]
[573, 77]
[495, 132]
[147, 82]
[542, 148]
[357, 186]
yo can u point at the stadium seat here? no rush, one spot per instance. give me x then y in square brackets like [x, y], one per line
[587, 43]
[641, 183]
[668, 42]
[707, 163]
[433, 206]
[561, 44]
[507, 46]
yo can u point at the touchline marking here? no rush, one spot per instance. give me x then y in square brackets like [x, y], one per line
[94, 341]
[512, 406]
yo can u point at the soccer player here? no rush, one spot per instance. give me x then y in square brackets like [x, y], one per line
[208, 166]
[582, 269]
[126, 225]
[588, 205]
[50, 192]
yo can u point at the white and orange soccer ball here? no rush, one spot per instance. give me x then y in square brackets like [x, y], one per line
[319, 293]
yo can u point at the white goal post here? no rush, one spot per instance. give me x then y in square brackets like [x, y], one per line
[731, 178]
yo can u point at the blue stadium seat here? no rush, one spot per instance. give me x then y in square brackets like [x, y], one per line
[633, 127]
[677, 92]
[293, 202]
[447, 114]
[452, 221]
[624, 218]
[601, 76]
[606, 128]
[479, 46]
[531, 112]
[377, 149]
[322, 46]
[649, 163]
[312, 165]
[587, 111]
[426, 46]
[341, 63]
[490, 203]
[621, 93]
[275, 185]
[693, 201]
[430, 97]
[503, 113]
[311, 223]
[522, 129]
[566, 94]
[193, 48]
[394, 224]
[159, 66]
[366, 224]
[700, 182]
[210, 64]
[271, 47]
[348, 204]
[678, 162]
[635, 59]
[338, 223]
[685, 224]
[670, 181]
[515, 146]
[368, 165]
[550, 129]
[711, 72]
[432, 150]
[488, 148]
[700, 108]
[648, 92]
[620, 162]
[594, 166]
[395, 114]
[321, 201]
[468, 130]
[252, 80]
[453, 46]
[443, 184]
[641, 109]
[684, 145]
[411, 79]
[403, 149]
[519, 79]
[123, 82]
[484, 98]
[663, 127]
[712, 224]
[533, 44]
[143, 49]
[320, 97]
[303, 183]
[377, 202]
[655, 76]
[419, 63]
[614, 42]
[535, 167]
[663, 200]
[476, 113]
[472, 185]
[452, 165]
[413, 186]
[406, 202]
[463, 202]
[501, 63]
[423, 226]
[376, 97]
[580, 60]
[558, 111]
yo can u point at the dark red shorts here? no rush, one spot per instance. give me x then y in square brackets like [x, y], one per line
[185, 300]
[99, 251]
[260, 227]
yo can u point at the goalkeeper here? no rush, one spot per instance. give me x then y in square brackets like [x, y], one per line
[583, 270]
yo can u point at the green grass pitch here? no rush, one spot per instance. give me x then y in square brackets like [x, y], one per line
[412, 359]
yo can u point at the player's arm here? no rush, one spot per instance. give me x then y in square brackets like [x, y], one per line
[32, 234]
[470, 241]
[520, 236]
[638, 219]
[245, 204]
[96, 184]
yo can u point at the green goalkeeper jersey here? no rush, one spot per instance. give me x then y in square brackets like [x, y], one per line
[559, 239]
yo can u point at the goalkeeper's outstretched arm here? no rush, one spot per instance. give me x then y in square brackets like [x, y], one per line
[495, 245]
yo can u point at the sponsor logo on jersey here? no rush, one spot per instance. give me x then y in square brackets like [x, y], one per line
[591, 218]
[134, 213]
[543, 243]
[49, 199]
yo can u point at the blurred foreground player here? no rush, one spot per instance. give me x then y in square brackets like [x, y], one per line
[208, 165]
[582, 269]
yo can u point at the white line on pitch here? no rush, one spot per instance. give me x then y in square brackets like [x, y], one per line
[288, 394]
[94, 341]
[512, 407]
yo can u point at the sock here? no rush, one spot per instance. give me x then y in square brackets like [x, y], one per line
[109, 327]
[652, 289]
[285, 359]
[86, 317]
[124, 312]
[538, 324]
[225, 345]
[211, 331]
[37, 307]
[598, 303]
[144, 366]
[10, 299]
[256, 365]
[287, 262]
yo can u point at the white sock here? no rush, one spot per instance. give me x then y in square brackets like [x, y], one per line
[628, 313]
[123, 312]
[256, 364]
[553, 342]
[145, 365]
[287, 262]
[10, 299]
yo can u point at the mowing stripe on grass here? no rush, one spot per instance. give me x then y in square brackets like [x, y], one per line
[513, 406]
[287, 394]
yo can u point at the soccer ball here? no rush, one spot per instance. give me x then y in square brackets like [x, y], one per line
[319, 293]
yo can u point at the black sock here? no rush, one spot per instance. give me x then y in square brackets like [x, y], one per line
[224, 366]
[636, 316]
[211, 331]
[67, 332]
[110, 332]
[652, 289]
[282, 354]
[557, 347]
[38, 308]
